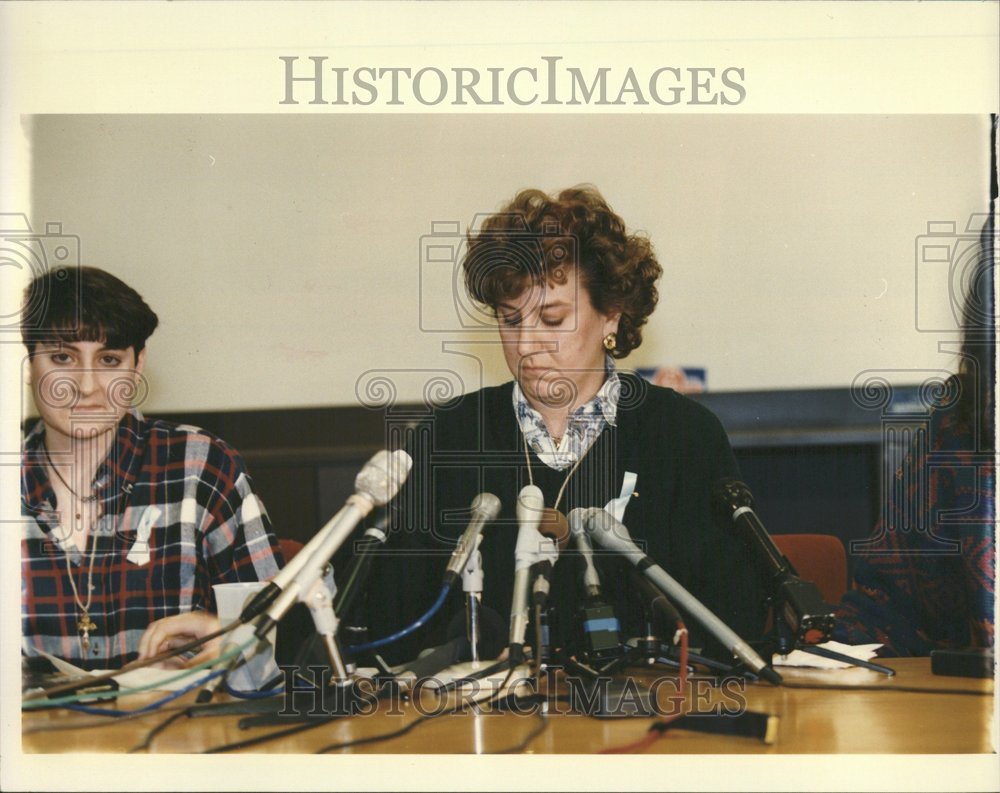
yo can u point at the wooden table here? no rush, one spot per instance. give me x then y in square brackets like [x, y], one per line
[852, 719]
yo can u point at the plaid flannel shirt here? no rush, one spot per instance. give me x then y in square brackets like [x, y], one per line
[178, 514]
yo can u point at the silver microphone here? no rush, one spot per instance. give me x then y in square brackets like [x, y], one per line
[610, 533]
[530, 503]
[591, 580]
[376, 484]
[485, 507]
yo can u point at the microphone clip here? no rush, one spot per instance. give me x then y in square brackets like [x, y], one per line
[598, 634]
[799, 606]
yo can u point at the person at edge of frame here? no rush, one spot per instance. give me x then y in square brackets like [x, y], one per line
[129, 521]
[927, 579]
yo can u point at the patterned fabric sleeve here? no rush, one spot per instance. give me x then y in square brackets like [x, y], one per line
[926, 579]
[238, 542]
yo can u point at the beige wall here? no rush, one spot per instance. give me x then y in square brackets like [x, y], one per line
[283, 254]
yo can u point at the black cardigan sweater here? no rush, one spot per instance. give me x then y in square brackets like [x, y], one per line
[677, 448]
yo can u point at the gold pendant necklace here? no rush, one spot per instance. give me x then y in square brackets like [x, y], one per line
[84, 625]
[531, 478]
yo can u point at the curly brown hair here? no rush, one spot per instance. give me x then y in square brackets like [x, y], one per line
[535, 237]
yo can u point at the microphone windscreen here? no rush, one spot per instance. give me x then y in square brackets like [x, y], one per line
[732, 494]
[608, 532]
[487, 504]
[382, 476]
[555, 526]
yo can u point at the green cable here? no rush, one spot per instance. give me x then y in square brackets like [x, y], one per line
[124, 692]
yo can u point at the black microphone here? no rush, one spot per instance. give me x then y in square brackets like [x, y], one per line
[357, 572]
[378, 482]
[809, 618]
[656, 604]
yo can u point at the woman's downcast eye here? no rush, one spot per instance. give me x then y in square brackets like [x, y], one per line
[513, 320]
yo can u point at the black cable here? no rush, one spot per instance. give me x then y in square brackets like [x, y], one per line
[506, 680]
[317, 721]
[425, 718]
[389, 735]
[529, 738]
[473, 676]
[271, 736]
[157, 730]
[101, 722]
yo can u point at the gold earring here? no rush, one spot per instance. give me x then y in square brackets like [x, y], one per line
[610, 342]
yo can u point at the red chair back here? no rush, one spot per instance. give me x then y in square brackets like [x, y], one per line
[289, 548]
[819, 558]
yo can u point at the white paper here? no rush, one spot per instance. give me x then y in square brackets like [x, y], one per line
[147, 676]
[861, 652]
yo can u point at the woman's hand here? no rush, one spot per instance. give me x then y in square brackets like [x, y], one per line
[171, 632]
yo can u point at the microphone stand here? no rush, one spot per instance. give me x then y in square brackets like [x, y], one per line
[472, 586]
[650, 649]
[802, 619]
[341, 682]
[320, 604]
[783, 640]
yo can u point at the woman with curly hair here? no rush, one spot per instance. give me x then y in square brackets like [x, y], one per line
[570, 289]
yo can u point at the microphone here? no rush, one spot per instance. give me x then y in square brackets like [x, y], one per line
[555, 531]
[656, 603]
[377, 483]
[809, 618]
[530, 505]
[373, 537]
[472, 586]
[598, 631]
[612, 535]
[553, 527]
[485, 507]
[591, 580]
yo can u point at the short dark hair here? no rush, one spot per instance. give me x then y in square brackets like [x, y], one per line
[85, 304]
[529, 240]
